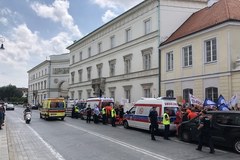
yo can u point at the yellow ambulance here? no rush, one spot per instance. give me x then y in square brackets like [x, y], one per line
[53, 108]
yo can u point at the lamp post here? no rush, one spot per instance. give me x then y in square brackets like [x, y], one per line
[2, 39]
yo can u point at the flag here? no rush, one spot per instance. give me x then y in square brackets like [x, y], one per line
[233, 101]
[208, 102]
[221, 103]
[194, 100]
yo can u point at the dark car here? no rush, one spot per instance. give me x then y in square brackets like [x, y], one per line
[225, 129]
[34, 107]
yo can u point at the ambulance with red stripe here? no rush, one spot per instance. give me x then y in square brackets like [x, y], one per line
[137, 116]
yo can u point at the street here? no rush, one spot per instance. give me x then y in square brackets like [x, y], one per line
[74, 139]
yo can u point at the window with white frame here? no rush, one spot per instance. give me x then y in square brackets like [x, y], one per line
[210, 50]
[127, 91]
[112, 41]
[99, 70]
[212, 93]
[73, 59]
[169, 93]
[72, 94]
[147, 90]
[80, 94]
[128, 35]
[147, 58]
[89, 93]
[72, 77]
[186, 93]
[112, 92]
[80, 75]
[80, 56]
[147, 26]
[89, 69]
[127, 63]
[89, 52]
[99, 47]
[187, 56]
[112, 64]
[170, 61]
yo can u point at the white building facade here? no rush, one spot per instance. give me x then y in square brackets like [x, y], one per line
[49, 79]
[121, 57]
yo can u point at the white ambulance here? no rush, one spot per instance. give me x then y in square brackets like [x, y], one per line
[137, 116]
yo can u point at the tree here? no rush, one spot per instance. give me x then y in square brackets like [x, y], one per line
[10, 92]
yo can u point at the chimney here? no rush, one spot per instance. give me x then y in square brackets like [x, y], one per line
[211, 2]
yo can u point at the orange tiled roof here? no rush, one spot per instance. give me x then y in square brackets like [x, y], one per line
[219, 12]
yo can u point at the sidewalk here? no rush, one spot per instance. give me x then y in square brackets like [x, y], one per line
[3, 144]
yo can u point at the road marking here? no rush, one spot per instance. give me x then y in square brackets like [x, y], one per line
[146, 152]
[52, 150]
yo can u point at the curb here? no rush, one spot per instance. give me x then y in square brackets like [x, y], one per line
[3, 143]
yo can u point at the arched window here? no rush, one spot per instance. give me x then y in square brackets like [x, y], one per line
[186, 94]
[169, 93]
[212, 93]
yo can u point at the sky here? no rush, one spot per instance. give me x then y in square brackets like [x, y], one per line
[32, 30]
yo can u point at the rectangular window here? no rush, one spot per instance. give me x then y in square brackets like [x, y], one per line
[99, 70]
[146, 61]
[127, 66]
[89, 73]
[128, 95]
[169, 61]
[72, 94]
[112, 94]
[73, 59]
[72, 77]
[79, 94]
[99, 47]
[186, 94]
[112, 65]
[147, 26]
[128, 35]
[147, 93]
[80, 75]
[89, 52]
[187, 56]
[112, 41]
[212, 93]
[210, 50]
[89, 93]
[80, 56]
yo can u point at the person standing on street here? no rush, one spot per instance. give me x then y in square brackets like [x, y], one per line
[153, 119]
[113, 115]
[205, 132]
[166, 123]
[89, 114]
[103, 115]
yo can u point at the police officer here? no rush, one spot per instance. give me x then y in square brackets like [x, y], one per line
[166, 123]
[76, 112]
[113, 115]
[205, 132]
[152, 118]
[89, 114]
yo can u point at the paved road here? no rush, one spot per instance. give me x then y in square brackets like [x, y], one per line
[74, 139]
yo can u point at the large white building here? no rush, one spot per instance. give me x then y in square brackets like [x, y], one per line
[121, 57]
[49, 79]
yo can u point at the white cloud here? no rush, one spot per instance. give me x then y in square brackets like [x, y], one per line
[58, 12]
[3, 21]
[108, 16]
[24, 49]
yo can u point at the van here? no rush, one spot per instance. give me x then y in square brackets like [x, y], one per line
[71, 103]
[137, 116]
[100, 102]
[53, 108]
[225, 129]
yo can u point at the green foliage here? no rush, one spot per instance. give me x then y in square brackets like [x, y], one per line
[10, 93]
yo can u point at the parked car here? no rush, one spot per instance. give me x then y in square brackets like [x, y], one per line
[34, 106]
[9, 106]
[225, 129]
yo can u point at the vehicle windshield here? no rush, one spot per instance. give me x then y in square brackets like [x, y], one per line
[81, 105]
[172, 110]
[57, 105]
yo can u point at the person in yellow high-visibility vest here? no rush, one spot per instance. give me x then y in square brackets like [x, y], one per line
[166, 123]
[103, 115]
[113, 116]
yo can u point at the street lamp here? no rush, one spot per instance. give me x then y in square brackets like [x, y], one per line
[2, 40]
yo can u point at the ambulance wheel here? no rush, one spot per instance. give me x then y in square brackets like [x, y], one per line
[236, 145]
[125, 124]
